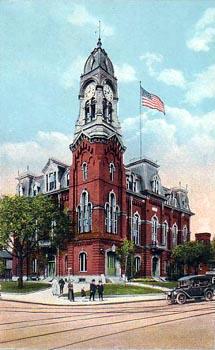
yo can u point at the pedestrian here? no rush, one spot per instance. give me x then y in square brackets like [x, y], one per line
[61, 284]
[55, 287]
[92, 289]
[71, 291]
[100, 288]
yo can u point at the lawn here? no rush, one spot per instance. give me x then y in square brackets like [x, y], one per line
[12, 287]
[121, 289]
[169, 284]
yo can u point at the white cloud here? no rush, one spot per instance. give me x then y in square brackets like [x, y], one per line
[172, 77]
[81, 17]
[202, 87]
[72, 75]
[150, 60]
[35, 153]
[125, 73]
[204, 34]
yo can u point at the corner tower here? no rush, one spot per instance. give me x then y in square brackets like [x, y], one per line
[97, 192]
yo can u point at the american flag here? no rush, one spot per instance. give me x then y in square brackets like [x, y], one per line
[151, 101]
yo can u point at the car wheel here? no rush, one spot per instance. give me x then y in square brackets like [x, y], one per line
[208, 295]
[181, 298]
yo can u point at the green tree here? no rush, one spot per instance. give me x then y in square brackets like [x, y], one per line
[191, 254]
[125, 253]
[26, 221]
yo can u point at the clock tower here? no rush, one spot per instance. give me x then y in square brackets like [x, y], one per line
[97, 193]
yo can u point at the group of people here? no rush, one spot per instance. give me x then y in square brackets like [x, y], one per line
[58, 287]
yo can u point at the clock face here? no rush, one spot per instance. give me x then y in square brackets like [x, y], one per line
[90, 91]
[108, 92]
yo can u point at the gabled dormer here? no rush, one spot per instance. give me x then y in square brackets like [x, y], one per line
[54, 171]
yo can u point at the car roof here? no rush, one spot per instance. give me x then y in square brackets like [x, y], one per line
[187, 278]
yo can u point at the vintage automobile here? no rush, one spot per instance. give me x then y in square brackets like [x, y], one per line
[195, 287]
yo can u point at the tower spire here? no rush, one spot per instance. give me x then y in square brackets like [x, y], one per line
[99, 43]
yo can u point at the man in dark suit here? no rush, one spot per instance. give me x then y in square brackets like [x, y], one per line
[100, 288]
[92, 290]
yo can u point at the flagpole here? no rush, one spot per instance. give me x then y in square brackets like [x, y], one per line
[140, 111]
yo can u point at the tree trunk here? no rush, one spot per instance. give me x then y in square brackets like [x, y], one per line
[20, 279]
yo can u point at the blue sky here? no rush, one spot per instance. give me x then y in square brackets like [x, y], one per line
[168, 45]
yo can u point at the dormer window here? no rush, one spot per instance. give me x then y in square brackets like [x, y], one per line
[51, 181]
[112, 170]
[131, 184]
[85, 171]
[156, 184]
[174, 200]
[67, 179]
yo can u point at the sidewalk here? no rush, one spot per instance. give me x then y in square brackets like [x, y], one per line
[46, 297]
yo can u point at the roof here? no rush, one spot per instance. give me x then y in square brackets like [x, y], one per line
[5, 255]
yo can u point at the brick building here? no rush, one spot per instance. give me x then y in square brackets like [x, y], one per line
[108, 200]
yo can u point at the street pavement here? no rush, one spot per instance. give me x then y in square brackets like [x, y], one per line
[139, 325]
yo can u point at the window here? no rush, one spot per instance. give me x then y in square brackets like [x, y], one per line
[107, 111]
[52, 181]
[174, 235]
[136, 229]
[156, 184]
[85, 171]
[131, 184]
[67, 179]
[83, 262]
[154, 229]
[174, 201]
[90, 110]
[137, 263]
[112, 170]
[84, 212]
[164, 233]
[111, 214]
[184, 233]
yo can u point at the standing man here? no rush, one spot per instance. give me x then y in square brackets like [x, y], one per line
[71, 291]
[61, 284]
[100, 288]
[92, 290]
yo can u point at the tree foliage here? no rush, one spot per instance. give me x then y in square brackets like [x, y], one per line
[125, 252]
[27, 221]
[191, 254]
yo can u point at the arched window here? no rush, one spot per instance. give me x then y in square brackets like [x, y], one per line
[174, 235]
[132, 183]
[154, 229]
[107, 110]
[83, 262]
[164, 233]
[111, 214]
[84, 211]
[84, 171]
[136, 229]
[156, 184]
[184, 232]
[90, 110]
[137, 263]
[112, 170]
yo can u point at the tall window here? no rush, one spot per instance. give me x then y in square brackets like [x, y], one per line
[111, 214]
[83, 262]
[52, 181]
[112, 170]
[84, 171]
[164, 233]
[67, 179]
[136, 229]
[156, 184]
[137, 263]
[131, 184]
[107, 110]
[184, 233]
[154, 229]
[84, 211]
[174, 235]
[90, 110]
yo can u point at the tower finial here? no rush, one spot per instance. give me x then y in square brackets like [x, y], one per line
[99, 43]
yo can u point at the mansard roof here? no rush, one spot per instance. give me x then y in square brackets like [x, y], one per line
[56, 161]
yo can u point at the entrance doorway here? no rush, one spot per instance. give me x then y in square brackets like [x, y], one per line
[155, 266]
[111, 264]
